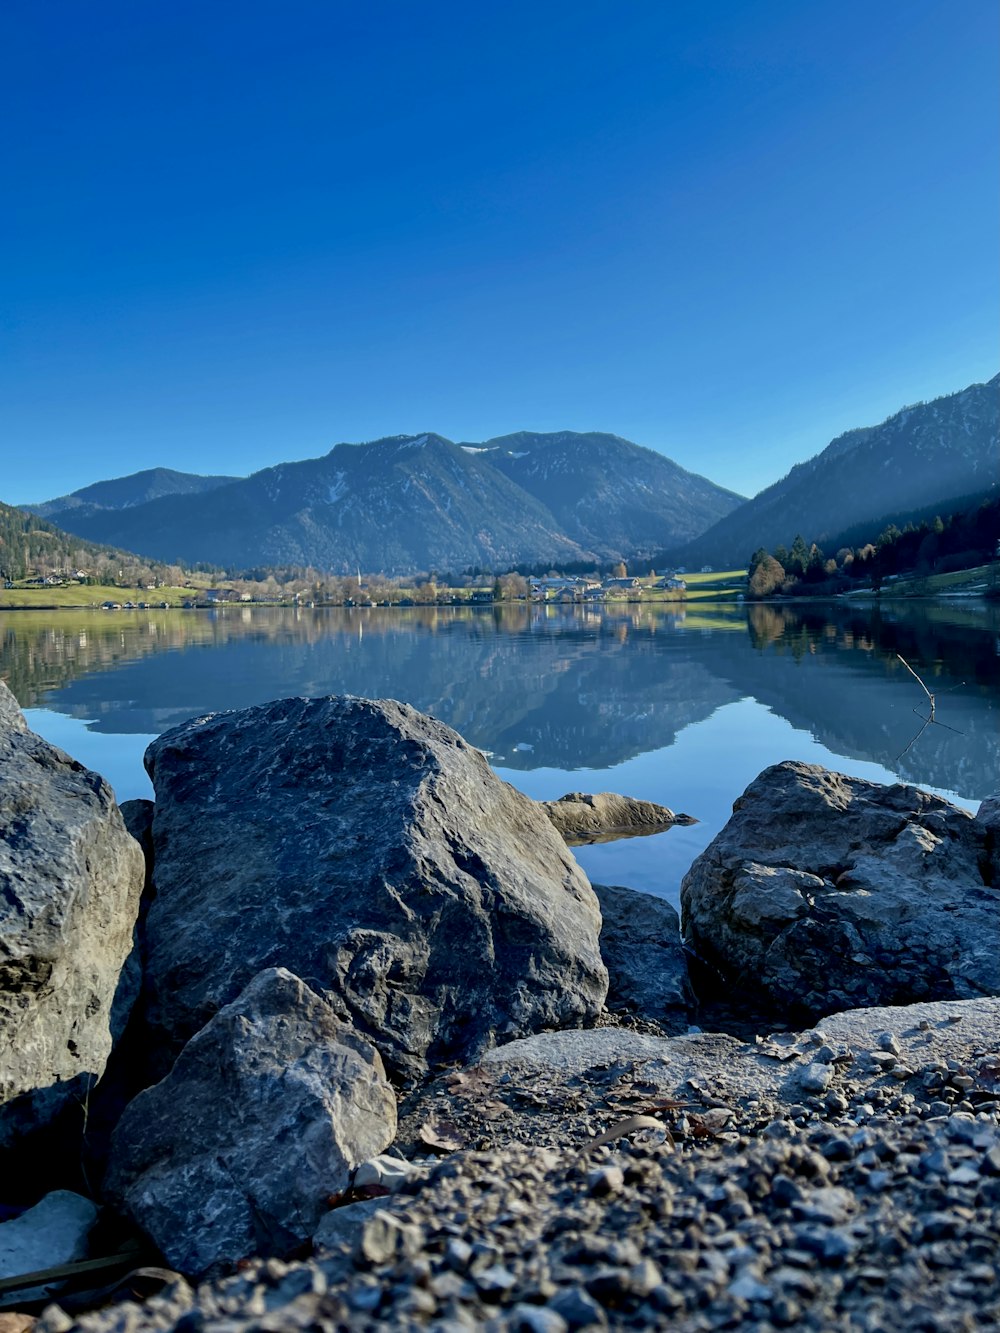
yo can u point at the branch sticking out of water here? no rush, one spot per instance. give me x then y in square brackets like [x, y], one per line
[920, 683]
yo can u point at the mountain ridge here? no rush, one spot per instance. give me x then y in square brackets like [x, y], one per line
[417, 502]
[925, 455]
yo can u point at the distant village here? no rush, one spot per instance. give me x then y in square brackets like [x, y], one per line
[162, 589]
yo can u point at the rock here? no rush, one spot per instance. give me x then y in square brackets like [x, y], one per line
[825, 892]
[70, 879]
[390, 1173]
[54, 1232]
[138, 817]
[17, 1323]
[373, 852]
[344, 1226]
[643, 952]
[580, 818]
[265, 1113]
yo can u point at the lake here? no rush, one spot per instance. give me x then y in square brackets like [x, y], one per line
[680, 708]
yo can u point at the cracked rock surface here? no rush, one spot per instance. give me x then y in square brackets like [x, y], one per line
[825, 892]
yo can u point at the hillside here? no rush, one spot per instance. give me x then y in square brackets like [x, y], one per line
[423, 502]
[915, 462]
[30, 545]
[125, 492]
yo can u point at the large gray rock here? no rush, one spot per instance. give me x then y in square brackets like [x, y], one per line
[265, 1113]
[374, 853]
[70, 879]
[825, 892]
[583, 818]
[647, 964]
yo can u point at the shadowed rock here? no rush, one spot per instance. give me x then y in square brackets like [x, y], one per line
[265, 1113]
[642, 949]
[825, 892]
[70, 879]
[373, 852]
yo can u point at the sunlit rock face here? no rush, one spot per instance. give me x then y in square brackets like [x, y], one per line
[372, 852]
[825, 892]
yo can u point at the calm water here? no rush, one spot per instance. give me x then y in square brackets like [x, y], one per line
[681, 710]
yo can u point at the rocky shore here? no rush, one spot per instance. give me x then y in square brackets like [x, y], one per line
[355, 1044]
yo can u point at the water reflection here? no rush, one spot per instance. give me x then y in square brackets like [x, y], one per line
[546, 687]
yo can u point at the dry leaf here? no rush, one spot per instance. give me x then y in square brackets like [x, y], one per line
[623, 1128]
[469, 1081]
[494, 1110]
[441, 1135]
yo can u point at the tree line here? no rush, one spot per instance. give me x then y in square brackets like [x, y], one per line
[937, 546]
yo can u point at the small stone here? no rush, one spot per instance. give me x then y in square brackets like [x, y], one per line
[747, 1288]
[815, 1077]
[458, 1254]
[536, 1319]
[606, 1180]
[578, 1308]
[495, 1280]
[392, 1173]
[884, 1060]
[385, 1238]
[53, 1319]
[963, 1175]
[887, 1041]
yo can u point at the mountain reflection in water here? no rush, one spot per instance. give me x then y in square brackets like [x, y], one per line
[557, 695]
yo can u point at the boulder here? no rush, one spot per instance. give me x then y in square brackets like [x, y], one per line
[374, 853]
[825, 892]
[581, 818]
[70, 880]
[647, 964]
[264, 1115]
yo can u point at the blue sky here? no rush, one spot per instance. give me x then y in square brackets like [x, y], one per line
[238, 233]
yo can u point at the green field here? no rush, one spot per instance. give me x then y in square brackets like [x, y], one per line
[83, 595]
[721, 585]
[962, 582]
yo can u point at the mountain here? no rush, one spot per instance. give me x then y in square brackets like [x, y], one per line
[917, 461]
[422, 502]
[607, 494]
[125, 492]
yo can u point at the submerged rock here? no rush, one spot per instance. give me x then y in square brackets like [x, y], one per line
[70, 880]
[582, 818]
[265, 1114]
[825, 892]
[374, 853]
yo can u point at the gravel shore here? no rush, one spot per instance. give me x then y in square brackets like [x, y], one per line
[871, 1203]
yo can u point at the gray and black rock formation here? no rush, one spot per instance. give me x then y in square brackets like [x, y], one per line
[646, 960]
[371, 851]
[825, 892]
[70, 880]
[265, 1114]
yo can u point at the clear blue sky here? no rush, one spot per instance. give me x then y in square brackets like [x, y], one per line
[236, 233]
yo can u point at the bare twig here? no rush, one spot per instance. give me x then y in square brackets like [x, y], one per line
[919, 682]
